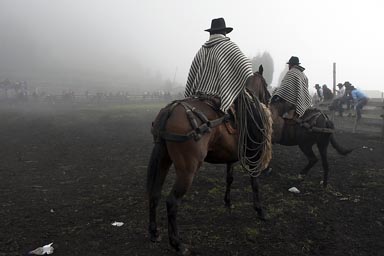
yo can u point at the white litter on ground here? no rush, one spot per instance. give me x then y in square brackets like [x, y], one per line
[117, 224]
[46, 249]
[294, 190]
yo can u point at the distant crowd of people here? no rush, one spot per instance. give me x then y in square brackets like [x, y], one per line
[346, 94]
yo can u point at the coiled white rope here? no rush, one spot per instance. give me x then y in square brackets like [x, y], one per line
[254, 147]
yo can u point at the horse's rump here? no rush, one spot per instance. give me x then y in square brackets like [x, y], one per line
[189, 118]
[312, 117]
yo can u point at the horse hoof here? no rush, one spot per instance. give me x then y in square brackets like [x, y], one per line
[301, 176]
[229, 206]
[261, 215]
[325, 184]
[156, 239]
[183, 250]
[155, 236]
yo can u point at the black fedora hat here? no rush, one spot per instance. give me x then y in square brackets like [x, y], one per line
[294, 61]
[218, 25]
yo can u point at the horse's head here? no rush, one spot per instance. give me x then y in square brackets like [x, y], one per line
[259, 86]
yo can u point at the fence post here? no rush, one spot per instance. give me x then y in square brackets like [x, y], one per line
[382, 115]
[355, 124]
[334, 78]
[382, 125]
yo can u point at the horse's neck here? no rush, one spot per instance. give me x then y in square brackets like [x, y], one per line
[259, 89]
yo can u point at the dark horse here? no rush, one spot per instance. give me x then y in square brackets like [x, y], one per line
[313, 127]
[187, 133]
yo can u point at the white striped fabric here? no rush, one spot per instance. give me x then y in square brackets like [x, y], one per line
[294, 89]
[219, 68]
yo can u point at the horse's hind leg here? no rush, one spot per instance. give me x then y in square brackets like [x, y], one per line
[229, 179]
[322, 145]
[312, 159]
[161, 167]
[256, 198]
[185, 171]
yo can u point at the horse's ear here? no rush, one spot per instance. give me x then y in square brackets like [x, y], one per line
[261, 69]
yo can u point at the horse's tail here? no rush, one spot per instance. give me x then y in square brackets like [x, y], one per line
[153, 165]
[158, 149]
[340, 149]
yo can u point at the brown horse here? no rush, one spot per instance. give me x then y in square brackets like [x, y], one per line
[313, 127]
[187, 133]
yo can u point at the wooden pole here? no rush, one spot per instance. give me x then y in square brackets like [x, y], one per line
[382, 116]
[382, 125]
[174, 78]
[355, 124]
[334, 78]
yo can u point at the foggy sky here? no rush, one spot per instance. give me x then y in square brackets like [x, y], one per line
[91, 41]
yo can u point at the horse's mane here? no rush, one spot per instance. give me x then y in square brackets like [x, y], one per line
[261, 88]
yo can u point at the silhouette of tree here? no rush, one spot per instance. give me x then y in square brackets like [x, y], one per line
[282, 74]
[266, 60]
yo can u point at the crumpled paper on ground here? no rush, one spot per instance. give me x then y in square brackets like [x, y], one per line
[46, 249]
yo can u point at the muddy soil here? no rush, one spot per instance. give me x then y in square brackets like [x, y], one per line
[67, 173]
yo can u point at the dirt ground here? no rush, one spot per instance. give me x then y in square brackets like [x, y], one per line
[67, 173]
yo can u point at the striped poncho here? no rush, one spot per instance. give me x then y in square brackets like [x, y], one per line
[220, 69]
[294, 89]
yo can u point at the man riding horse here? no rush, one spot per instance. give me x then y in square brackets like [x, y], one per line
[221, 70]
[296, 123]
[292, 96]
[197, 129]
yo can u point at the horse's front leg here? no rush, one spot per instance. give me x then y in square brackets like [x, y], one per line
[256, 198]
[229, 179]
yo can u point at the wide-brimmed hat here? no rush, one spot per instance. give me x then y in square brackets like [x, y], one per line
[317, 86]
[346, 83]
[340, 84]
[218, 25]
[294, 61]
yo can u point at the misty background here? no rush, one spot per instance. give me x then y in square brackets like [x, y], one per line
[139, 45]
